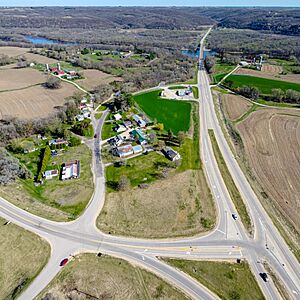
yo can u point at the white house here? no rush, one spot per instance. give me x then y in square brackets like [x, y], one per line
[50, 174]
[120, 128]
[117, 117]
[171, 154]
[124, 151]
[139, 120]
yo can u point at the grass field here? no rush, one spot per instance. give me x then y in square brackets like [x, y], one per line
[175, 115]
[55, 199]
[23, 255]
[107, 130]
[195, 92]
[112, 278]
[264, 85]
[220, 70]
[229, 280]
[232, 189]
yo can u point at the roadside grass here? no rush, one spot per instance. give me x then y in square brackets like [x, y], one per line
[23, 255]
[229, 280]
[195, 92]
[232, 189]
[141, 169]
[175, 115]
[98, 115]
[113, 278]
[177, 87]
[264, 85]
[221, 70]
[69, 197]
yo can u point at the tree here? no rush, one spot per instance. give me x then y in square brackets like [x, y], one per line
[85, 51]
[277, 95]
[53, 83]
[251, 92]
[170, 134]
[181, 137]
[292, 96]
[209, 63]
[123, 102]
[159, 126]
[124, 183]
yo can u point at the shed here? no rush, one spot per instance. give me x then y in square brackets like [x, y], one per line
[117, 117]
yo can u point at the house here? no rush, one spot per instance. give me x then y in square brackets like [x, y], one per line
[171, 154]
[58, 142]
[139, 136]
[50, 174]
[137, 149]
[116, 141]
[244, 63]
[127, 124]
[70, 170]
[117, 117]
[79, 118]
[59, 72]
[124, 151]
[139, 120]
[120, 128]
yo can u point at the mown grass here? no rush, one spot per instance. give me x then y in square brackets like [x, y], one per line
[23, 255]
[177, 87]
[113, 278]
[232, 189]
[220, 70]
[230, 281]
[108, 131]
[195, 92]
[264, 85]
[175, 115]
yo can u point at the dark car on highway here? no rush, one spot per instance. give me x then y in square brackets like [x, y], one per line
[64, 262]
[264, 276]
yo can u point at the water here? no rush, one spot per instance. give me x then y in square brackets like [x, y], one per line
[41, 40]
[197, 52]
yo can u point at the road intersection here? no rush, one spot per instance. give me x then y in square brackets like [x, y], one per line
[228, 240]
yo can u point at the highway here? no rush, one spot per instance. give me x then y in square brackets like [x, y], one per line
[228, 240]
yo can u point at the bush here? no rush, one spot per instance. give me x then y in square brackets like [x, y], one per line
[53, 83]
[74, 141]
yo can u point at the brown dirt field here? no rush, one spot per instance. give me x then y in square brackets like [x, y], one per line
[270, 72]
[272, 147]
[33, 102]
[11, 79]
[40, 58]
[234, 105]
[13, 51]
[112, 278]
[94, 78]
[163, 210]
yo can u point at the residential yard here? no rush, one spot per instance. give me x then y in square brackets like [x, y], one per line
[112, 278]
[175, 115]
[180, 205]
[23, 255]
[264, 85]
[108, 130]
[55, 199]
[230, 184]
[229, 280]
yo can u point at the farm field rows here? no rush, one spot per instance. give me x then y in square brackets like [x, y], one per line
[23, 255]
[33, 102]
[174, 115]
[13, 51]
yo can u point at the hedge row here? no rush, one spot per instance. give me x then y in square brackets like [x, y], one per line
[44, 163]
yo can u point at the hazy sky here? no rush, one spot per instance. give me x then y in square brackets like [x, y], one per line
[150, 3]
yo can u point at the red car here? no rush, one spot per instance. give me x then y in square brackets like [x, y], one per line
[64, 262]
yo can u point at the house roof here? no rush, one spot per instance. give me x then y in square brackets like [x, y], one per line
[139, 134]
[137, 148]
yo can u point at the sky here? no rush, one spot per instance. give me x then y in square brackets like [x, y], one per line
[295, 3]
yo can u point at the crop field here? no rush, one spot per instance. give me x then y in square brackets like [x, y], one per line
[32, 57]
[93, 78]
[90, 277]
[264, 85]
[270, 71]
[229, 280]
[11, 79]
[163, 210]
[175, 115]
[13, 51]
[235, 106]
[271, 140]
[33, 102]
[23, 255]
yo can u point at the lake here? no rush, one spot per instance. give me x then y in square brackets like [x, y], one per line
[197, 52]
[41, 40]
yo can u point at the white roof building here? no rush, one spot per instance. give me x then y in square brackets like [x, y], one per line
[117, 117]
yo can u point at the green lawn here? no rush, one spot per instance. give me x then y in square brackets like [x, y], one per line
[230, 184]
[265, 86]
[177, 87]
[142, 169]
[175, 115]
[195, 92]
[220, 70]
[107, 131]
[230, 281]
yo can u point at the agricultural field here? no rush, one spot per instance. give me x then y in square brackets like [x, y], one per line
[264, 85]
[55, 199]
[174, 115]
[93, 78]
[23, 255]
[112, 278]
[13, 51]
[271, 140]
[33, 102]
[17, 79]
[220, 70]
[229, 280]
[32, 57]
[270, 71]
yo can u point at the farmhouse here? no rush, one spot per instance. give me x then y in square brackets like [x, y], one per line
[139, 120]
[70, 170]
[58, 143]
[124, 151]
[120, 128]
[139, 136]
[171, 154]
[116, 141]
[50, 174]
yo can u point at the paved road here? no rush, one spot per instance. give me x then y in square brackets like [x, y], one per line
[227, 240]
